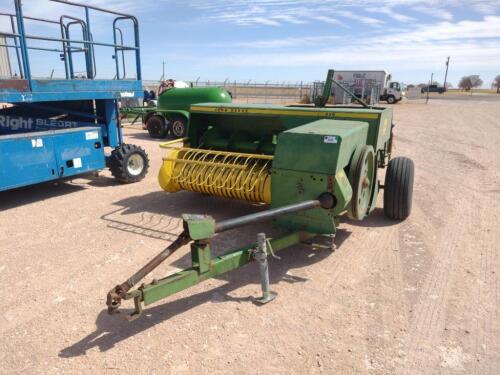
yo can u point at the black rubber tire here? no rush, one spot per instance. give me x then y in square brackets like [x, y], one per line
[157, 127]
[391, 99]
[119, 163]
[177, 126]
[398, 190]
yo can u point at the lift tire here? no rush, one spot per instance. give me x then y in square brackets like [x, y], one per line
[129, 163]
[178, 126]
[398, 190]
[157, 127]
[391, 99]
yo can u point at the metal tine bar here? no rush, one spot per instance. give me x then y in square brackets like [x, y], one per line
[256, 156]
[255, 180]
[235, 184]
[231, 187]
[191, 167]
[220, 174]
[247, 180]
[228, 183]
[213, 170]
[190, 156]
[199, 171]
[207, 172]
[247, 177]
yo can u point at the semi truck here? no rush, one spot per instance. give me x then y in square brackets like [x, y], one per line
[368, 83]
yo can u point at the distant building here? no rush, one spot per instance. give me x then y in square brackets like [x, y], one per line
[5, 68]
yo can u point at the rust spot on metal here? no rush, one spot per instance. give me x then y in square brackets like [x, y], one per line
[16, 84]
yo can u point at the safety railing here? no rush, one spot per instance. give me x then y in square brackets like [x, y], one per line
[69, 47]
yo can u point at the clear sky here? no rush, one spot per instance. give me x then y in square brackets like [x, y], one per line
[291, 41]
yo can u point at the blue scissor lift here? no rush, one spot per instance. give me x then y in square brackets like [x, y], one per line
[58, 128]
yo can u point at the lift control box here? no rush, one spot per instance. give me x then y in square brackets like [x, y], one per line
[30, 158]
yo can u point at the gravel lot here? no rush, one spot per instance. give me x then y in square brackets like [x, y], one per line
[414, 297]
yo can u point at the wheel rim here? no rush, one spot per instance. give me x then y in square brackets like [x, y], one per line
[135, 164]
[155, 126]
[365, 180]
[178, 128]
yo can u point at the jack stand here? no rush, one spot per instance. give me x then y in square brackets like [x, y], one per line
[260, 255]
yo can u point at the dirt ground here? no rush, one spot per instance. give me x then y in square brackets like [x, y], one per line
[415, 297]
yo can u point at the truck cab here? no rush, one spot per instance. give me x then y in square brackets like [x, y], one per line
[392, 93]
[433, 88]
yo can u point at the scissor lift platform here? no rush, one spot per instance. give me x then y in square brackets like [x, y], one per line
[43, 90]
[58, 128]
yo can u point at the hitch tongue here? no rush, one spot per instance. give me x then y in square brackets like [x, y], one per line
[119, 292]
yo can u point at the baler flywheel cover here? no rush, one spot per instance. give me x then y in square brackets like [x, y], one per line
[363, 179]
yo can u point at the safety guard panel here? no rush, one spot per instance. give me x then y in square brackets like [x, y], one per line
[44, 156]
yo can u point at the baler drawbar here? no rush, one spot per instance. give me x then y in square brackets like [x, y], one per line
[199, 229]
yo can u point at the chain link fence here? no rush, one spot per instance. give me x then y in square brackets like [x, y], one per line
[254, 92]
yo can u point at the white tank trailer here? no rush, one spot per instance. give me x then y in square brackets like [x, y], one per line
[369, 85]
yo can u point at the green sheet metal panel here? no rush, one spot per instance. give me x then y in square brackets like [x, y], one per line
[310, 160]
[290, 187]
[263, 122]
[183, 98]
[322, 146]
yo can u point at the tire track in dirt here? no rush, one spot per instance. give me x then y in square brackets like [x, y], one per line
[429, 312]
[485, 355]
[486, 346]
[388, 315]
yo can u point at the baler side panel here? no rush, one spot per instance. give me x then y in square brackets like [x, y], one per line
[322, 146]
[308, 161]
[384, 129]
[261, 123]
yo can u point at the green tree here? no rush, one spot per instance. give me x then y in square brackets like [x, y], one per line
[469, 82]
[496, 83]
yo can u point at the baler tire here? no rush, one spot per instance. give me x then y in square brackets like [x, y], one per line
[398, 190]
[129, 163]
[178, 126]
[157, 127]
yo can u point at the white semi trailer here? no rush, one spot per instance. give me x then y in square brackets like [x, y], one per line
[366, 83]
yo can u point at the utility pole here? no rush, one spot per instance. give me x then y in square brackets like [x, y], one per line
[429, 88]
[163, 74]
[446, 74]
